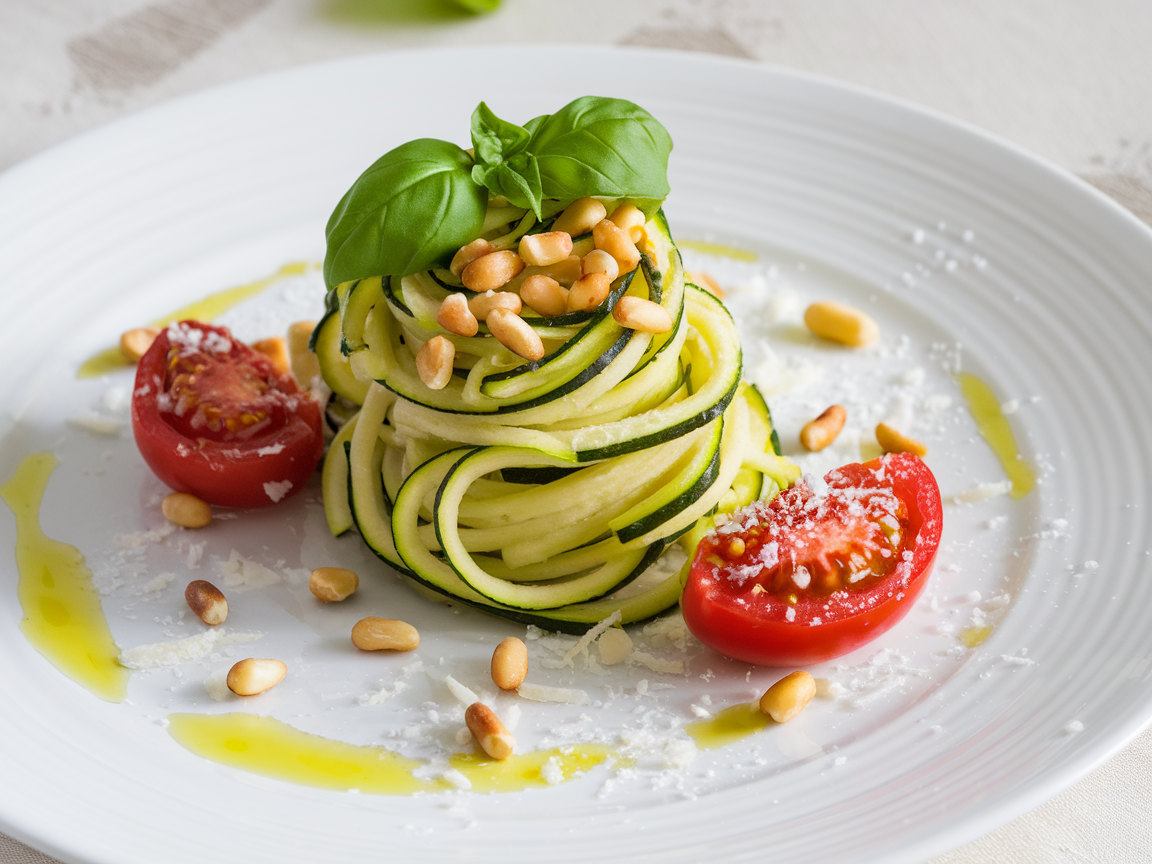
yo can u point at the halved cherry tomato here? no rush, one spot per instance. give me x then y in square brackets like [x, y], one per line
[214, 418]
[817, 572]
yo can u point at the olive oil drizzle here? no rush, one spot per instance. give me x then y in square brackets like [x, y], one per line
[266, 746]
[207, 309]
[734, 723]
[63, 619]
[996, 430]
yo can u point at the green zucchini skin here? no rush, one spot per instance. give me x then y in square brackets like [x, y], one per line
[493, 493]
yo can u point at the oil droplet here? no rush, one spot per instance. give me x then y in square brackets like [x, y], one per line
[212, 306]
[264, 745]
[63, 619]
[994, 427]
[729, 726]
[525, 771]
[718, 249]
[973, 637]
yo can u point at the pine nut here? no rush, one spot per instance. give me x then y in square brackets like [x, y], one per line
[704, 280]
[434, 362]
[542, 250]
[510, 663]
[615, 645]
[839, 323]
[455, 316]
[303, 363]
[580, 217]
[252, 676]
[482, 304]
[636, 313]
[135, 343]
[514, 333]
[819, 433]
[892, 441]
[616, 243]
[333, 584]
[492, 271]
[788, 696]
[469, 253]
[275, 349]
[207, 602]
[599, 261]
[384, 634]
[544, 295]
[630, 219]
[565, 272]
[588, 292]
[186, 510]
[490, 733]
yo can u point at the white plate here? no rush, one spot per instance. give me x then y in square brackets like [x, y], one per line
[849, 195]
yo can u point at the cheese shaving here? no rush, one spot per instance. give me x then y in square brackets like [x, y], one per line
[541, 693]
[581, 647]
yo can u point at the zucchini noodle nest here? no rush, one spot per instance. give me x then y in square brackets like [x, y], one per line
[542, 491]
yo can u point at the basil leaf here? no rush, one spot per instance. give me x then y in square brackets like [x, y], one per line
[411, 210]
[503, 164]
[603, 147]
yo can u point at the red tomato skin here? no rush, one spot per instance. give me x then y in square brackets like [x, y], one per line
[762, 636]
[225, 474]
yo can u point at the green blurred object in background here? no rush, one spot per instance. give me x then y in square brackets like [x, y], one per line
[479, 6]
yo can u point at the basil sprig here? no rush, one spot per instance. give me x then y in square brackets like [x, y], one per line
[419, 203]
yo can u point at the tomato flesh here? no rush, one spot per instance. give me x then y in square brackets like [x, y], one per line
[821, 569]
[214, 418]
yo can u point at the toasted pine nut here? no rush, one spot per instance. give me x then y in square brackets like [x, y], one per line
[493, 737]
[636, 313]
[788, 696]
[469, 253]
[544, 295]
[510, 663]
[580, 217]
[840, 323]
[252, 676]
[630, 219]
[891, 441]
[303, 363]
[333, 584]
[615, 645]
[599, 261]
[819, 433]
[135, 343]
[384, 634]
[588, 292]
[186, 510]
[492, 271]
[455, 316]
[541, 250]
[484, 303]
[275, 349]
[565, 272]
[514, 333]
[207, 602]
[705, 281]
[616, 243]
[434, 362]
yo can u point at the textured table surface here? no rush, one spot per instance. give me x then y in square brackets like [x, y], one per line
[1069, 80]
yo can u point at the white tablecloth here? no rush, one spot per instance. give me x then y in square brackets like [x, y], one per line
[1069, 80]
